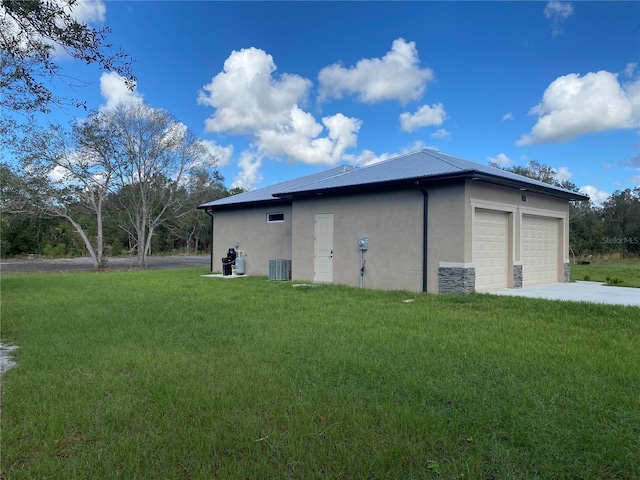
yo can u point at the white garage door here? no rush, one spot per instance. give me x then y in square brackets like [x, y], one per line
[539, 250]
[490, 249]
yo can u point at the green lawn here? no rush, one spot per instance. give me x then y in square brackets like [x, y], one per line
[627, 272]
[170, 375]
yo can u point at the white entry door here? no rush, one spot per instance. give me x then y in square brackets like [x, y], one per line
[323, 249]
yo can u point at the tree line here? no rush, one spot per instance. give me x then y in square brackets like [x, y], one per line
[120, 181]
[74, 195]
[126, 180]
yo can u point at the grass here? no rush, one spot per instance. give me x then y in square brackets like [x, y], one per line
[167, 374]
[621, 273]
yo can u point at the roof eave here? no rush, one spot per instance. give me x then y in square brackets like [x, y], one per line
[242, 205]
[525, 186]
[433, 179]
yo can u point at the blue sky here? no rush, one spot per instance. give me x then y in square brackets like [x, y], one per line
[283, 89]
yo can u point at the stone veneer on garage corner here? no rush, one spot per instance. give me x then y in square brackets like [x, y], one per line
[517, 276]
[456, 280]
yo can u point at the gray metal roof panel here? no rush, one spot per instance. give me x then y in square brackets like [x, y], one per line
[267, 193]
[412, 166]
[404, 167]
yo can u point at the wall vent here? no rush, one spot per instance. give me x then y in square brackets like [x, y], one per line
[279, 269]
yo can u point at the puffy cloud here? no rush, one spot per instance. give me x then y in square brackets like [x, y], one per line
[86, 11]
[249, 100]
[396, 76]
[247, 97]
[303, 144]
[115, 91]
[557, 12]
[563, 174]
[425, 116]
[597, 196]
[222, 154]
[501, 160]
[83, 11]
[507, 116]
[417, 145]
[249, 175]
[367, 157]
[441, 133]
[573, 105]
[630, 69]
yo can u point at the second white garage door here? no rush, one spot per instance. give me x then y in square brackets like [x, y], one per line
[539, 250]
[490, 249]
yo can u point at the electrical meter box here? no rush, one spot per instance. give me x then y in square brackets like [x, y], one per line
[363, 243]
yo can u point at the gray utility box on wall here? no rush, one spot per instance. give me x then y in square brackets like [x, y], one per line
[279, 269]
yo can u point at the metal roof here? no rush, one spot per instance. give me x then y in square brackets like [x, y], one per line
[423, 166]
[266, 194]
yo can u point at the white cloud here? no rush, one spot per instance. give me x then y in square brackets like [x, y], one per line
[367, 157]
[222, 154]
[441, 133]
[597, 196]
[302, 144]
[630, 69]
[86, 11]
[83, 11]
[425, 116]
[557, 12]
[115, 91]
[563, 174]
[249, 175]
[250, 100]
[396, 76]
[573, 105]
[507, 116]
[58, 174]
[501, 160]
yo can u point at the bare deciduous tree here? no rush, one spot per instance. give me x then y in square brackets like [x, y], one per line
[153, 154]
[64, 168]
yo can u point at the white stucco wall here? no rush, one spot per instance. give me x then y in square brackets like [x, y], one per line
[392, 221]
[261, 241]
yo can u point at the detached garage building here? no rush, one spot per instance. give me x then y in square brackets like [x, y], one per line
[425, 221]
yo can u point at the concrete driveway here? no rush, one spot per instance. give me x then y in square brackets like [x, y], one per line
[594, 292]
